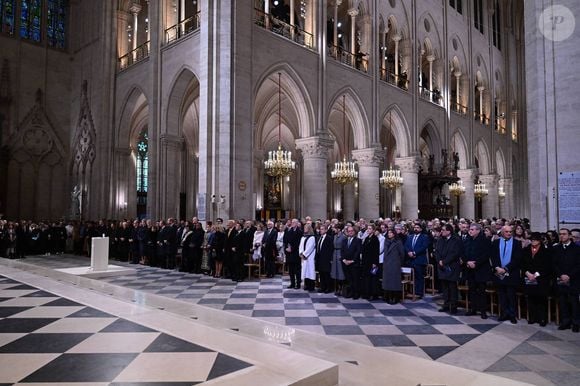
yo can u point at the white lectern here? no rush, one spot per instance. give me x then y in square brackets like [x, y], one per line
[99, 253]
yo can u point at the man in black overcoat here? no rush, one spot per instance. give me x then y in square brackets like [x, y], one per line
[291, 240]
[323, 258]
[448, 252]
[351, 262]
[567, 269]
[269, 249]
[477, 269]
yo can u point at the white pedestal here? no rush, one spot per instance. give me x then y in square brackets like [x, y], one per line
[100, 254]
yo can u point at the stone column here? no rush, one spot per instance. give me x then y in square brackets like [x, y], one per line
[481, 88]
[314, 174]
[292, 19]
[490, 207]
[506, 203]
[335, 28]
[397, 39]
[170, 153]
[431, 59]
[467, 200]
[384, 54]
[421, 53]
[353, 12]
[409, 167]
[457, 75]
[122, 39]
[369, 161]
[135, 9]
[349, 201]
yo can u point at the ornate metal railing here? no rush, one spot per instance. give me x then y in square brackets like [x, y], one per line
[433, 96]
[399, 81]
[458, 108]
[279, 27]
[482, 118]
[356, 61]
[183, 28]
[134, 56]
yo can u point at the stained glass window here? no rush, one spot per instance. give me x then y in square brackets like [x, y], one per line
[142, 162]
[56, 23]
[30, 19]
[7, 16]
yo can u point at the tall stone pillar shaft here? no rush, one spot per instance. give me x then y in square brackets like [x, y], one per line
[409, 167]
[467, 200]
[490, 205]
[369, 161]
[506, 203]
[170, 153]
[314, 174]
[349, 201]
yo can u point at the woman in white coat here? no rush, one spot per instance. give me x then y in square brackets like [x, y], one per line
[307, 250]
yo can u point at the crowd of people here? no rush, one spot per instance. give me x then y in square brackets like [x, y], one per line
[352, 259]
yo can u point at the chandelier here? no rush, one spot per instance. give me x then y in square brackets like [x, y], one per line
[391, 178]
[480, 190]
[501, 192]
[457, 188]
[279, 163]
[344, 172]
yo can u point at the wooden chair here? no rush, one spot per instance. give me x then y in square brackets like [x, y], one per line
[492, 292]
[252, 265]
[463, 289]
[408, 283]
[430, 279]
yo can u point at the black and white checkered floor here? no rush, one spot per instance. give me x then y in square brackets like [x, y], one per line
[47, 338]
[542, 356]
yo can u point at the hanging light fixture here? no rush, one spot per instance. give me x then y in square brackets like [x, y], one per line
[480, 190]
[279, 163]
[344, 172]
[391, 178]
[457, 188]
[501, 192]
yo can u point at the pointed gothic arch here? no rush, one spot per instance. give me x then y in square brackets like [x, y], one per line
[400, 129]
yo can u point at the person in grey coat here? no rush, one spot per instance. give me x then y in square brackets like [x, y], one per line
[394, 257]
[336, 272]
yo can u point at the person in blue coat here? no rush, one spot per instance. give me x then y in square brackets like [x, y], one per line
[416, 248]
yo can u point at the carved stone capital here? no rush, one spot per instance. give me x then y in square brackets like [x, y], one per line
[135, 8]
[353, 12]
[314, 147]
[168, 140]
[408, 164]
[490, 180]
[397, 38]
[467, 175]
[368, 157]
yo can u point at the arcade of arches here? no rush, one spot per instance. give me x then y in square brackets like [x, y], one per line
[173, 112]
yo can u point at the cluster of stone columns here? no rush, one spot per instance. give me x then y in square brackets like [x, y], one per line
[315, 151]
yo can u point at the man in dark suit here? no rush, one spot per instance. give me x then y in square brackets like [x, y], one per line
[291, 241]
[323, 258]
[506, 258]
[448, 252]
[230, 246]
[477, 269]
[351, 249]
[269, 250]
[416, 247]
[567, 269]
